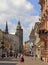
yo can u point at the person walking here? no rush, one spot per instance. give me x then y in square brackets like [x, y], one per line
[22, 58]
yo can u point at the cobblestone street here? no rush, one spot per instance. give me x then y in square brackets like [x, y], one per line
[28, 61]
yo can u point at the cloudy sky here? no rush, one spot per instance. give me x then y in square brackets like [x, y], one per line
[27, 11]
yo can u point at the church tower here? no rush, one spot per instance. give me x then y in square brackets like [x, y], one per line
[19, 33]
[6, 29]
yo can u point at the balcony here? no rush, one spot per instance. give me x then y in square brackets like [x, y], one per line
[43, 32]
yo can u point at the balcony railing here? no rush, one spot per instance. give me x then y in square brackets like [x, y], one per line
[43, 32]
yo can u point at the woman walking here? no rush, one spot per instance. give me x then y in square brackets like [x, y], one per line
[22, 58]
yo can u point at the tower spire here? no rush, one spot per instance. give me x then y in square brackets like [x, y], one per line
[19, 22]
[6, 29]
[19, 25]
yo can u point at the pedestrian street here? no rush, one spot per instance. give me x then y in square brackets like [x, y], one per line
[28, 60]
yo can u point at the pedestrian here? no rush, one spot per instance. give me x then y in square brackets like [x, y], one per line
[35, 56]
[41, 58]
[16, 55]
[22, 58]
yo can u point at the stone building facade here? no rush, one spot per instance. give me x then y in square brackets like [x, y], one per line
[1, 36]
[43, 32]
[15, 41]
[27, 46]
[32, 39]
[37, 39]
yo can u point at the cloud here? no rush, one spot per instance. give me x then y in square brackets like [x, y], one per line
[18, 9]
[3, 5]
[31, 23]
[14, 8]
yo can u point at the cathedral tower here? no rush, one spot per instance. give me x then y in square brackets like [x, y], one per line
[19, 33]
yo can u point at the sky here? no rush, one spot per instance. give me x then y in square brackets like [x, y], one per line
[27, 11]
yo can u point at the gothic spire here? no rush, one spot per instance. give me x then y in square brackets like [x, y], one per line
[18, 22]
[6, 29]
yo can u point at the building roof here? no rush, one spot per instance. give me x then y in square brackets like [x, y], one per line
[14, 38]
